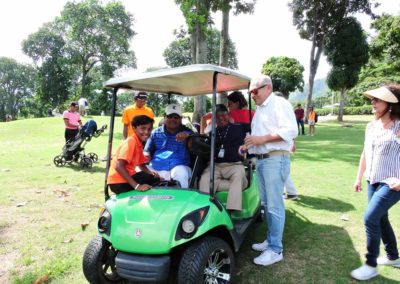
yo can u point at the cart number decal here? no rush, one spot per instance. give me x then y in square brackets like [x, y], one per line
[152, 197]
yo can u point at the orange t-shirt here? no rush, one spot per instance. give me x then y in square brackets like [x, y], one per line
[132, 111]
[311, 115]
[130, 150]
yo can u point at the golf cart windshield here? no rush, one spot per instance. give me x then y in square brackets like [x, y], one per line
[192, 80]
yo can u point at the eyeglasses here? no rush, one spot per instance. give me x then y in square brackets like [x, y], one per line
[375, 99]
[173, 115]
[255, 91]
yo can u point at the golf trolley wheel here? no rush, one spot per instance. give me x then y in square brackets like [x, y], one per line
[86, 162]
[209, 260]
[59, 161]
[99, 262]
[93, 157]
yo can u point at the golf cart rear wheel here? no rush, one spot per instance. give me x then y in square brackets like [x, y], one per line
[99, 262]
[59, 161]
[86, 162]
[209, 260]
[93, 157]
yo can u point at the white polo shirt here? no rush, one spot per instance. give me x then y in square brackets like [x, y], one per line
[274, 116]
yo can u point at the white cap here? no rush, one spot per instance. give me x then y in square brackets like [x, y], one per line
[173, 108]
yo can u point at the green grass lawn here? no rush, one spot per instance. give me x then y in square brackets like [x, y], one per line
[45, 237]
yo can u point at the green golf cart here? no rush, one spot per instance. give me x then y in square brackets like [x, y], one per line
[148, 236]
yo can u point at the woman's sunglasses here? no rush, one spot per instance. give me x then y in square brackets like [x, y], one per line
[173, 116]
[255, 91]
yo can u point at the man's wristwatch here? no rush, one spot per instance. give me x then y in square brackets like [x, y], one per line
[137, 186]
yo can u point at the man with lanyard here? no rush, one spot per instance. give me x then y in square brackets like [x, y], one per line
[72, 121]
[273, 130]
[228, 164]
[166, 148]
[139, 108]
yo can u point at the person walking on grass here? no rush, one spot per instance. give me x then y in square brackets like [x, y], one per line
[380, 164]
[311, 122]
[299, 112]
[272, 132]
[72, 121]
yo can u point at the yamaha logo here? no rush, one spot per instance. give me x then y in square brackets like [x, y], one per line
[138, 233]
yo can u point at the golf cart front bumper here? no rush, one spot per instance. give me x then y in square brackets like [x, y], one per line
[151, 268]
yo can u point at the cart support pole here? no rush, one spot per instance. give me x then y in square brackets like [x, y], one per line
[110, 139]
[213, 123]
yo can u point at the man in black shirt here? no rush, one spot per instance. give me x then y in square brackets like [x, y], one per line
[228, 162]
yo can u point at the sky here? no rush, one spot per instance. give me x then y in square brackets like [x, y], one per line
[267, 32]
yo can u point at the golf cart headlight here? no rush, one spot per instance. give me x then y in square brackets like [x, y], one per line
[189, 223]
[188, 226]
[104, 223]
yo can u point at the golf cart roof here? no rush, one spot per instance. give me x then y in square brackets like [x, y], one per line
[188, 80]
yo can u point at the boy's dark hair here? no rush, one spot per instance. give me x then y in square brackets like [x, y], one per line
[141, 120]
[237, 96]
[221, 108]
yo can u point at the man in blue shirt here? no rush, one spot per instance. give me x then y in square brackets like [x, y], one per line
[167, 150]
[228, 162]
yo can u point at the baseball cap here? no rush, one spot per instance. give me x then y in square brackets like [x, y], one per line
[383, 94]
[173, 108]
[73, 104]
[141, 95]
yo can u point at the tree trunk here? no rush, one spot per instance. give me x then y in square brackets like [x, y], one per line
[341, 105]
[223, 49]
[314, 61]
[201, 58]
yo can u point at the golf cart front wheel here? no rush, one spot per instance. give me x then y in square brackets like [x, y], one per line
[59, 161]
[99, 262]
[93, 157]
[86, 162]
[209, 260]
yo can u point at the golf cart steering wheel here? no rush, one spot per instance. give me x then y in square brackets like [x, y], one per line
[199, 144]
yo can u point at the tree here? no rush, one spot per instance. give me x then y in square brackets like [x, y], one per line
[197, 15]
[88, 36]
[16, 86]
[346, 49]
[286, 74]
[315, 19]
[178, 52]
[226, 6]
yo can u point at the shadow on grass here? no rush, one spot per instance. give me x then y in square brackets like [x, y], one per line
[330, 204]
[313, 253]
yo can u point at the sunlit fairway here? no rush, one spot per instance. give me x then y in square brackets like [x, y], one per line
[42, 208]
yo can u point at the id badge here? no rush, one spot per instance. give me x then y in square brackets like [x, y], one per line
[221, 153]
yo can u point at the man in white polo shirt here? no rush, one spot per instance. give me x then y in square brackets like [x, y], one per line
[72, 121]
[273, 129]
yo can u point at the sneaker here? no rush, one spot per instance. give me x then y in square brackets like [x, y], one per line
[364, 272]
[290, 196]
[383, 260]
[260, 246]
[308, 134]
[268, 257]
[312, 134]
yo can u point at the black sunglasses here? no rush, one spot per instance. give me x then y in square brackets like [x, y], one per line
[173, 115]
[255, 91]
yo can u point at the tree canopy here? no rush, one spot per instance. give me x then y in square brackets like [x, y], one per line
[87, 42]
[286, 74]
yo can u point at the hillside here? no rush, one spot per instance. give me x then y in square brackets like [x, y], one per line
[320, 89]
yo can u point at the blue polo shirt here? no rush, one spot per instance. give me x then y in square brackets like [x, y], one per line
[230, 138]
[165, 151]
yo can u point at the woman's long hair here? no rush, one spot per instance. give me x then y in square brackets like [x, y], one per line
[237, 96]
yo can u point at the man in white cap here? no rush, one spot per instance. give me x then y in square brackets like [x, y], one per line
[167, 150]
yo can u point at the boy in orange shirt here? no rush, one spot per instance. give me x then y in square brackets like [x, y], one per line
[122, 176]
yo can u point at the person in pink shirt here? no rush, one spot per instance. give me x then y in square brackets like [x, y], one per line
[72, 121]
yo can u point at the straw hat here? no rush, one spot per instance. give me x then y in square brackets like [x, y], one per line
[383, 94]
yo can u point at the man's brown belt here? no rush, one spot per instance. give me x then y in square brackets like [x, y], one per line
[271, 154]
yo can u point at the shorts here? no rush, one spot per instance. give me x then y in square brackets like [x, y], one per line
[311, 122]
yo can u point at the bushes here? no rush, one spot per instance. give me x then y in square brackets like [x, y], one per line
[366, 109]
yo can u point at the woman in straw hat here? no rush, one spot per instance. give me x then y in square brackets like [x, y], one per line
[380, 164]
